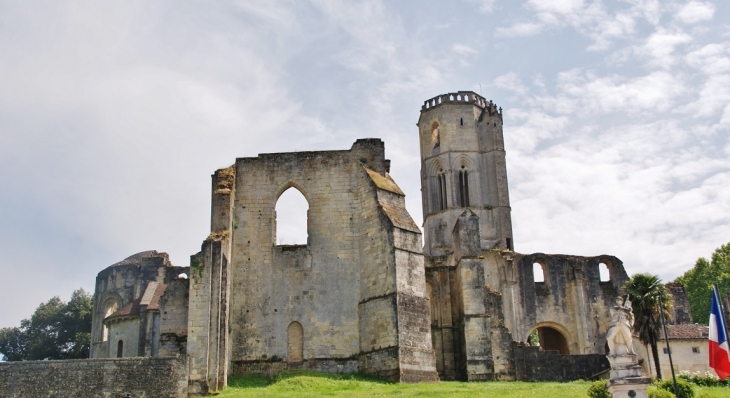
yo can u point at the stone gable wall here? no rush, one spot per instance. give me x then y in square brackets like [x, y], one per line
[93, 378]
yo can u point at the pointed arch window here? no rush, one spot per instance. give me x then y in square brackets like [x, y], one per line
[291, 212]
[441, 203]
[463, 187]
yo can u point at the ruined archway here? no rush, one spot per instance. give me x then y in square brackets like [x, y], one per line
[550, 337]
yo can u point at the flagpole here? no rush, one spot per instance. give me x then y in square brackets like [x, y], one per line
[666, 339]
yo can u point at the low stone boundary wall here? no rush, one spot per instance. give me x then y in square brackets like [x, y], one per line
[531, 364]
[269, 368]
[93, 378]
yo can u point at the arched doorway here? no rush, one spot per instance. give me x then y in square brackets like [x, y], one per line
[549, 339]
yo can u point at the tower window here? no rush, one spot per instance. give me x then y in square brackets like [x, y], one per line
[461, 121]
[120, 349]
[463, 187]
[441, 191]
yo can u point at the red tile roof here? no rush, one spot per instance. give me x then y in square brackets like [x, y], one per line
[690, 331]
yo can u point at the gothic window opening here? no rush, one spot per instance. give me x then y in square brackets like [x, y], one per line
[120, 349]
[291, 218]
[295, 342]
[604, 274]
[441, 202]
[538, 273]
[463, 187]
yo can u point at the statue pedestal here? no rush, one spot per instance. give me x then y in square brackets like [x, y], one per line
[627, 379]
[630, 387]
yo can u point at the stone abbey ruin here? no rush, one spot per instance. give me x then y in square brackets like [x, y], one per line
[364, 294]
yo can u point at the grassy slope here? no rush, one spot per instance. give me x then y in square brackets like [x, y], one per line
[308, 384]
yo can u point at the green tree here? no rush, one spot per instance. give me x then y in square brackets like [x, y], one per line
[56, 330]
[699, 280]
[644, 291]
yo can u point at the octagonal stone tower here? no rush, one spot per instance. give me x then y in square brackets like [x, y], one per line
[463, 166]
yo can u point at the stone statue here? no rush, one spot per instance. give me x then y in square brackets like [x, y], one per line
[618, 336]
[626, 378]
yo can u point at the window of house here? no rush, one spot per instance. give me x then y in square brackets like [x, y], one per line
[695, 350]
[120, 349]
[666, 351]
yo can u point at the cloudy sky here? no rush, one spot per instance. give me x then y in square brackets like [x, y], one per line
[113, 115]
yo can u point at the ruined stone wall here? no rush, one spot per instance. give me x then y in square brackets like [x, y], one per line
[356, 288]
[572, 300]
[92, 378]
[532, 364]
[273, 286]
[123, 283]
[173, 312]
[681, 312]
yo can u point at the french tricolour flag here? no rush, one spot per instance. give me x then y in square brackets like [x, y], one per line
[719, 352]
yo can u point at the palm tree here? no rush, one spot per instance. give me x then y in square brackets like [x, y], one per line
[644, 291]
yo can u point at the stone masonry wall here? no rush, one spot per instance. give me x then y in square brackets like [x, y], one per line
[94, 378]
[681, 312]
[531, 365]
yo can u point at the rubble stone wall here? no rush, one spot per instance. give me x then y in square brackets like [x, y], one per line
[92, 378]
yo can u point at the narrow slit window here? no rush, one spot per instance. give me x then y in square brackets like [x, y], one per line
[441, 191]
[120, 349]
[464, 188]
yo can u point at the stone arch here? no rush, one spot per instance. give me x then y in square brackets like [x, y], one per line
[465, 161]
[291, 222]
[284, 187]
[465, 183]
[111, 305]
[439, 188]
[606, 268]
[436, 167]
[552, 336]
[295, 342]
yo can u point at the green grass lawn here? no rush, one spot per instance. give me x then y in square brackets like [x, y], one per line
[310, 384]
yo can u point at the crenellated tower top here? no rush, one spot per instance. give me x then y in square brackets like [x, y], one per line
[463, 169]
[462, 97]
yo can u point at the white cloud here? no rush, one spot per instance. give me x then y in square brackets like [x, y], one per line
[463, 50]
[512, 82]
[556, 6]
[660, 47]
[696, 11]
[485, 6]
[586, 92]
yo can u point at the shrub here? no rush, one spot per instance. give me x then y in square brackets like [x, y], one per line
[659, 393]
[683, 388]
[598, 389]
